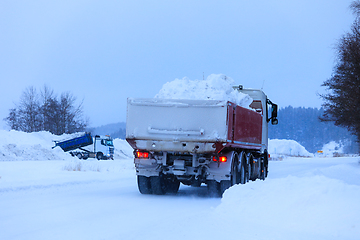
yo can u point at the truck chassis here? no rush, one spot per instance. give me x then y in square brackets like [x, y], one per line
[161, 172]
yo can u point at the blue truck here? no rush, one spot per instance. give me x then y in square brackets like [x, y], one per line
[86, 146]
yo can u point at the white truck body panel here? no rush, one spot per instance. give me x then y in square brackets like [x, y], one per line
[169, 122]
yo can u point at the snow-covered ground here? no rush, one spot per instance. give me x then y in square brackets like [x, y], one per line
[46, 194]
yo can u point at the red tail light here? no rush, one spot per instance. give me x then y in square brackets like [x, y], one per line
[140, 154]
[221, 159]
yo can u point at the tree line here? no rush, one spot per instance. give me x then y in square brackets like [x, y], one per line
[304, 126]
[45, 111]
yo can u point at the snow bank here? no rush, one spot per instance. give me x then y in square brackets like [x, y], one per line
[21, 146]
[332, 149]
[215, 87]
[122, 149]
[315, 207]
[282, 147]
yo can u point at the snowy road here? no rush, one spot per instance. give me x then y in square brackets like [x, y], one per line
[303, 198]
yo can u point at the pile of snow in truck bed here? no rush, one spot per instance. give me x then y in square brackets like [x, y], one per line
[214, 87]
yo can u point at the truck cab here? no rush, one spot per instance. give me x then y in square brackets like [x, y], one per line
[103, 147]
[261, 104]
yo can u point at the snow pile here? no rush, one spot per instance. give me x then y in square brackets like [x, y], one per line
[21, 146]
[76, 164]
[122, 149]
[279, 148]
[332, 149]
[215, 87]
[326, 208]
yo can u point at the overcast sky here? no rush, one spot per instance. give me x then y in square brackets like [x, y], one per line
[106, 51]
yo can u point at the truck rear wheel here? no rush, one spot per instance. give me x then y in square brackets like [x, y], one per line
[242, 171]
[235, 174]
[144, 184]
[251, 167]
[242, 174]
[224, 184]
[213, 188]
[172, 184]
[248, 172]
[158, 185]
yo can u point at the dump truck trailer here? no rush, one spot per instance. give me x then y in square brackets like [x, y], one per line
[85, 146]
[194, 142]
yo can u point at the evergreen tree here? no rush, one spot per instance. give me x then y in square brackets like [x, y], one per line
[342, 102]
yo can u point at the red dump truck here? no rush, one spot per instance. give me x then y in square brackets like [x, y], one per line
[194, 142]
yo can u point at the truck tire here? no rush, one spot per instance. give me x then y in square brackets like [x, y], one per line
[144, 184]
[262, 171]
[242, 170]
[235, 173]
[158, 185]
[224, 184]
[196, 183]
[266, 163]
[99, 155]
[242, 174]
[79, 155]
[172, 185]
[213, 188]
[251, 167]
[249, 173]
[264, 166]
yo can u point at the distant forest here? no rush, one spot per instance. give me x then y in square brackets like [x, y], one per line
[115, 130]
[299, 124]
[303, 125]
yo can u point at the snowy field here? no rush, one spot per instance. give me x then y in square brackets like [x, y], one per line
[46, 194]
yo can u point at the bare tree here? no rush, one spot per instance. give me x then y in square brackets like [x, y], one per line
[71, 116]
[28, 110]
[48, 108]
[45, 112]
[12, 119]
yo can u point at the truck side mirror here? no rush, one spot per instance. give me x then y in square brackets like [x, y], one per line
[274, 121]
[274, 109]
